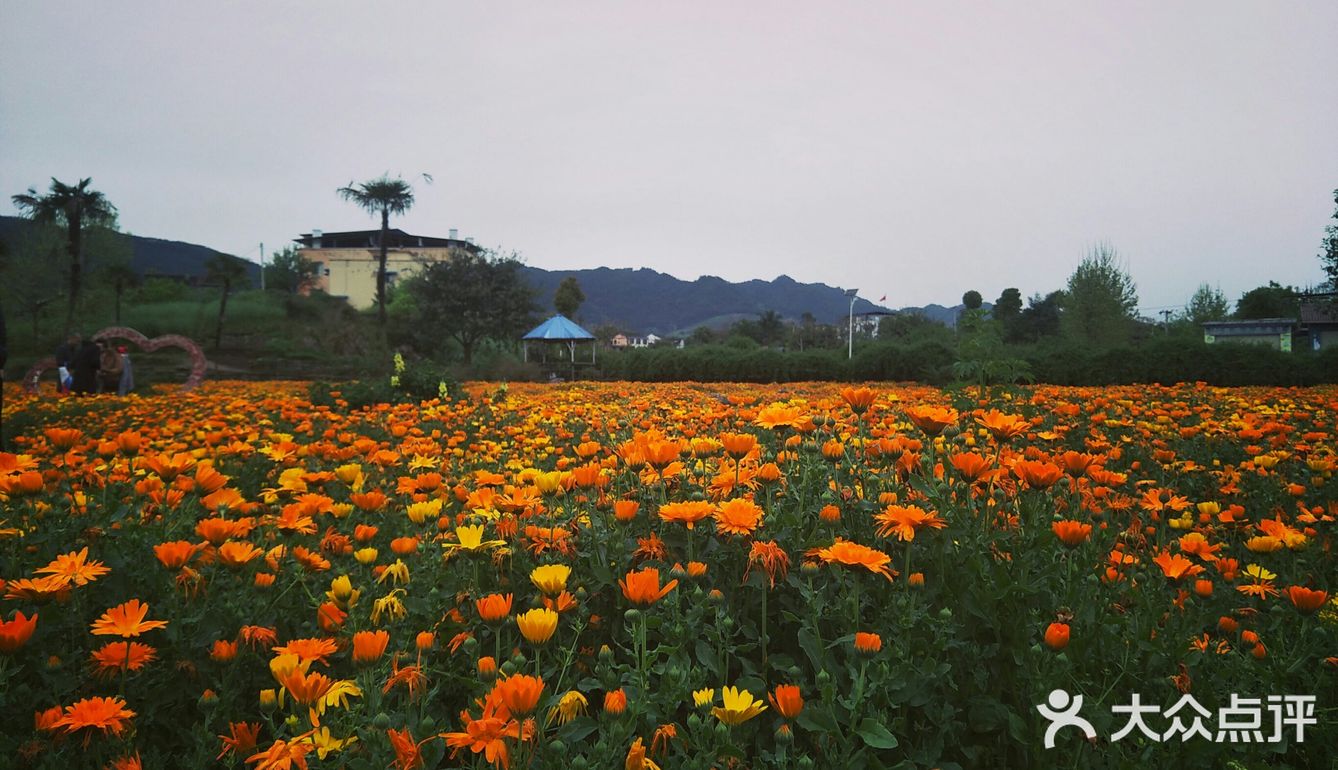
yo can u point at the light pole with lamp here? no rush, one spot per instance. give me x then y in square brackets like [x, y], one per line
[850, 351]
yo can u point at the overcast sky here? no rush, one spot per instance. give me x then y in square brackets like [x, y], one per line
[913, 150]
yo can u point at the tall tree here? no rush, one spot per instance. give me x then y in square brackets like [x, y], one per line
[972, 300]
[73, 207]
[1328, 254]
[1101, 299]
[1041, 316]
[472, 297]
[384, 196]
[227, 272]
[568, 297]
[770, 327]
[1007, 311]
[1207, 304]
[289, 271]
[1271, 301]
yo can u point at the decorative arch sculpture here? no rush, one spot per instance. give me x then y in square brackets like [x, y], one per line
[198, 363]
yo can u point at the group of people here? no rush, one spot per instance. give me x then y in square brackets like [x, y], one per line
[92, 366]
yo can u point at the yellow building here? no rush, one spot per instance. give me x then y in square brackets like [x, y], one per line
[346, 262]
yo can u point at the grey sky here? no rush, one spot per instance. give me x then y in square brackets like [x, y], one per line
[909, 149]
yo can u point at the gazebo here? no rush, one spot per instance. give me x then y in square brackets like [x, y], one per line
[559, 329]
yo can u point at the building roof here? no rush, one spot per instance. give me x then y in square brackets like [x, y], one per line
[1319, 312]
[367, 239]
[558, 329]
[1249, 326]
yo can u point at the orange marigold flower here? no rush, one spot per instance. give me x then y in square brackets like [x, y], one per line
[637, 759]
[283, 755]
[643, 586]
[787, 700]
[615, 701]
[1057, 636]
[688, 512]
[905, 520]
[223, 651]
[258, 636]
[537, 625]
[852, 555]
[369, 646]
[126, 620]
[75, 568]
[314, 650]
[494, 608]
[1177, 566]
[738, 445]
[15, 632]
[1307, 600]
[625, 510]
[234, 554]
[972, 466]
[868, 643]
[121, 656]
[176, 554]
[106, 714]
[408, 755]
[1037, 475]
[1002, 426]
[737, 517]
[932, 419]
[241, 738]
[1071, 533]
[859, 399]
[520, 693]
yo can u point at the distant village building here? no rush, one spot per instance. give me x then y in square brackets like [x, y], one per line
[1314, 328]
[1320, 319]
[347, 261]
[632, 341]
[1275, 333]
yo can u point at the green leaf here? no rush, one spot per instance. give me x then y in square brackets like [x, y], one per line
[876, 735]
[817, 719]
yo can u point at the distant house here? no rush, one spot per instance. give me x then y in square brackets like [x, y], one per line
[619, 341]
[633, 341]
[347, 261]
[1320, 320]
[868, 323]
[1275, 333]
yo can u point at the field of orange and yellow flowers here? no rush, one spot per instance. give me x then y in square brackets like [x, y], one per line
[674, 576]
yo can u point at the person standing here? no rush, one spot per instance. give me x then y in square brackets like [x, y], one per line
[84, 367]
[127, 383]
[65, 362]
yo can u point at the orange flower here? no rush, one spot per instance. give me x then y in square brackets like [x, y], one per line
[403, 546]
[16, 632]
[689, 512]
[305, 688]
[972, 466]
[1002, 426]
[1177, 566]
[176, 554]
[637, 759]
[106, 714]
[625, 510]
[223, 651]
[241, 738]
[1071, 533]
[738, 517]
[1038, 475]
[868, 643]
[1307, 600]
[369, 646]
[643, 586]
[787, 700]
[494, 608]
[771, 557]
[75, 568]
[903, 521]
[234, 554]
[1203, 588]
[283, 755]
[615, 701]
[313, 650]
[117, 656]
[830, 514]
[520, 693]
[855, 555]
[738, 445]
[537, 625]
[932, 419]
[1057, 636]
[408, 755]
[859, 399]
[126, 620]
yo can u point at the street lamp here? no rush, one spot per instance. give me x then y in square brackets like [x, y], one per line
[850, 351]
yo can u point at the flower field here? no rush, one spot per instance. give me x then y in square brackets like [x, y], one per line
[672, 576]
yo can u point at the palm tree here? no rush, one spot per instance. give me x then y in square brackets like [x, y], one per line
[72, 207]
[384, 196]
[228, 271]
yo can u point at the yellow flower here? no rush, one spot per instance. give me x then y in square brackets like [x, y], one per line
[470, 539]
[548, 483]
[419, 512]
[568, 708]
[1259, 573]
[341, 592]
[703, 697]
[327, 744]
[349, 474]
[537, 625]
[740, 706]
[399, 572]
[365, 556]
[391, 606]
[550, 578]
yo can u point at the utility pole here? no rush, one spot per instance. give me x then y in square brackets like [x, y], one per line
[1166, 320]
[850, 339]
[262, 265]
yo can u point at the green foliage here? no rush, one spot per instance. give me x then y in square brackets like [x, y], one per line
[972, 300]
[405, 384]
[1100, 299]
[1328, 250]
[1207, 304]
[1271, 301]
[1007, 311]
[469, 298]
[568, 297]
[289, 271]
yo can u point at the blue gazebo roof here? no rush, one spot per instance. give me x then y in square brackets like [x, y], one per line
[559, 328]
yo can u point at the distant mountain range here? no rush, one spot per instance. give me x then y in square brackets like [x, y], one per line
[149, 256]
[641, 301]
